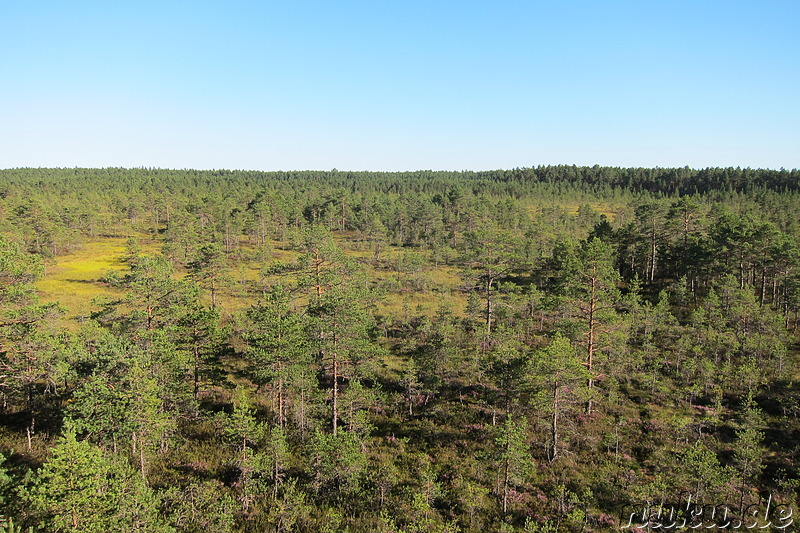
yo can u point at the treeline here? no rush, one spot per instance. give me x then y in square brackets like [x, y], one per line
[615, 347]
[658, 237]
[93, 202]
[654, 180]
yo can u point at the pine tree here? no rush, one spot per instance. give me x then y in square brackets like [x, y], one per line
[153, 299]
[278, 348]
[492, 254]
[748, 454]
[28, 353]
[201, 507]
[342, 331]
[592, 296]
[515, 458]
[80, 490]
[556, 376]
[210, 270]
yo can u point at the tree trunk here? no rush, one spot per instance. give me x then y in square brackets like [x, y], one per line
[196, 373]
[141, 462]
[654, 249]
[505, 478]
[554, 425]
[276, 473]
[335, 393]
[488, 307]
[590, 344]
[302, 414]
[281, 417]
[318, 268]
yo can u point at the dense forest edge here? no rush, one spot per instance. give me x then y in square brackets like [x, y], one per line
[555, 348]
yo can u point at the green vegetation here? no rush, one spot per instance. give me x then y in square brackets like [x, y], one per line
[525, 350]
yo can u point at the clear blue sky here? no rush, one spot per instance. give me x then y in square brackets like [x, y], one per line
[399, 85]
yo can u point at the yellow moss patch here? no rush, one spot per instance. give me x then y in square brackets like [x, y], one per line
[604, 209]
[422, 303]
[74, 280]
[445, 276]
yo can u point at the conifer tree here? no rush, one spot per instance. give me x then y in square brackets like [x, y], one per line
[556, 376]
[515, 458]
[278, 347]
[592, 296]
[81, 490]
[28, 353]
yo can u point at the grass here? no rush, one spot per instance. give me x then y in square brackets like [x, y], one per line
[442, 289]
[608, 210]
[75, 278]
[425, 303]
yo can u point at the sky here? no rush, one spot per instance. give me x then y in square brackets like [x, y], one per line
[404, 85]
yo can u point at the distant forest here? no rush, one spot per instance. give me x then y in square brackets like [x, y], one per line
[539, 349]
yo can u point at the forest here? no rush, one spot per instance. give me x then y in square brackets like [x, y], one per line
[530, 350]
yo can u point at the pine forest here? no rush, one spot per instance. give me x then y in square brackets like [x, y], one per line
[540, 349]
